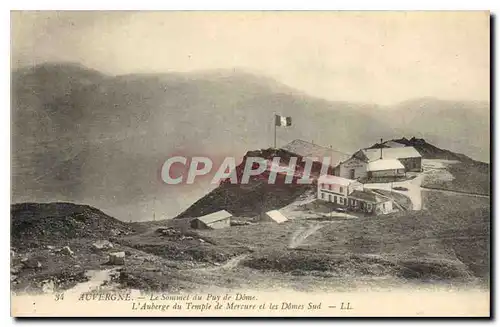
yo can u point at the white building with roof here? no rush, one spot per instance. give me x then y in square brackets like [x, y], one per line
[364, 162]
[336, 189]
[370, 202]
[408, 156]
[215, 220]
[351, 195]
[385, 167]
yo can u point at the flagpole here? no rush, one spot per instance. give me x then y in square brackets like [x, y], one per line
[274, 130]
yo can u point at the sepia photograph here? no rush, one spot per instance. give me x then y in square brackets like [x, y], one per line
[250, 163]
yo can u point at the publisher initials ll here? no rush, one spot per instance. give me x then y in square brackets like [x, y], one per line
[345, 306]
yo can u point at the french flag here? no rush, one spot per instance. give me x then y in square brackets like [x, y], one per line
[282, 121]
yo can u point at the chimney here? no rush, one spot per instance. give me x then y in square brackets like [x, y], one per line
[331, 160]
[381, 148]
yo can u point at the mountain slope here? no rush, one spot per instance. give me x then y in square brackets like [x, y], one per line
[79, 135]
[51, 223]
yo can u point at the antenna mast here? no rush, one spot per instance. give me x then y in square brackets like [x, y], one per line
[381, 140]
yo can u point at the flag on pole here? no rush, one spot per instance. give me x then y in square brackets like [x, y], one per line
[283, 121]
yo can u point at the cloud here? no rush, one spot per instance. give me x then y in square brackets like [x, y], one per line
[368, 57]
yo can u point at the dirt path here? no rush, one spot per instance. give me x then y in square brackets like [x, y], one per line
[298, 239]
[301, 234]
[230, 264]
[413, 186]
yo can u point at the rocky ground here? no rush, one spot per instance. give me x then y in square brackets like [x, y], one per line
[64, 246]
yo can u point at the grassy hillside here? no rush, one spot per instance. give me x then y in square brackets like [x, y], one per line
[448, 242]
[471, 177]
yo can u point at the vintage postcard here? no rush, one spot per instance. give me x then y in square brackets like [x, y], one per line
[256, 164]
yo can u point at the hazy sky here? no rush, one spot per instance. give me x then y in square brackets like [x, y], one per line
[368, 57]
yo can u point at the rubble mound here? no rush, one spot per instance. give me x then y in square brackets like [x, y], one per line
[39, 223]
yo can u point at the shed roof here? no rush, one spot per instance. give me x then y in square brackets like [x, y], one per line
[368, 196]
[384, 164]
[330, 179]
[308, 149]
[276, 216]
[215, 216]
[272, 166]
[391, 153]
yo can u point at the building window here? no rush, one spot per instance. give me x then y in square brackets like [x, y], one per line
[341, 189]
[383, 206]
[341, 200]
[322, 195]
[330, 187]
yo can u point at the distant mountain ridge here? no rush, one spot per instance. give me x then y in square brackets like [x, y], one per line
[428, 151]
[83, 136]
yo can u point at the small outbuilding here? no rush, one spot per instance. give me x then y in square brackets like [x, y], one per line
[408, 156]
[216, 220]
[385, 168]
[274, 216]
[369, 202]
